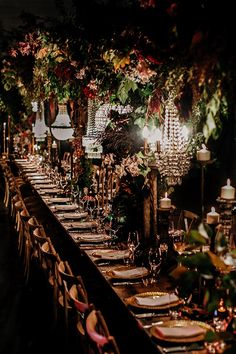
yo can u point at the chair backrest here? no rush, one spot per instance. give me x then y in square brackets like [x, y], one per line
[99, 335]
[79, 296]
[187, 220]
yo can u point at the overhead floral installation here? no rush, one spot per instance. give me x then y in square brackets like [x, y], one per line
[129, 66]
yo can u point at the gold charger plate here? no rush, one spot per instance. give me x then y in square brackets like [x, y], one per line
[182, 324]
[110, 254]
[133, 302]
[125, 269]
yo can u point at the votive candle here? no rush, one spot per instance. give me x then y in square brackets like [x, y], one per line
[165, 203]
[204, 154]
[227, 192]
[213, 217]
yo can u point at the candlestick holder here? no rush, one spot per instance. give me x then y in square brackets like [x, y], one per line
[163, 221]
[203, 165]
[225, 208]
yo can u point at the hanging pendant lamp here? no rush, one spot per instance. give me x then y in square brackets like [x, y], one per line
[61, 128]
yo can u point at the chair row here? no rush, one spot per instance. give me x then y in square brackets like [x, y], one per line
[71, 306]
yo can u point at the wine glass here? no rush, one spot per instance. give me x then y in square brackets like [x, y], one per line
[154, 261]
[132, 244]
[179, 242]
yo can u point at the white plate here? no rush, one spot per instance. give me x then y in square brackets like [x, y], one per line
[50, 191]
[65, 207]
[74, 215]
[37, 181]
[47, 186]
[90, 238]
[59, 200]
[125, 272]
[111, 254]
[80, 225]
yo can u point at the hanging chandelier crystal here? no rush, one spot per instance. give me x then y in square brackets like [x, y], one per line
[169, 143]
[61, 129]
[39, 129]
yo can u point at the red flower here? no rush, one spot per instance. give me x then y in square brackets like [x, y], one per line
[153, 60]
[197, 38]
[89, 93]
[172, 9]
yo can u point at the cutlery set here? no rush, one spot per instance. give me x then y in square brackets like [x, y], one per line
[180, 349]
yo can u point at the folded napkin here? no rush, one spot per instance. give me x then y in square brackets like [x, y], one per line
[45, 186]
[111, 254]
[75, 215]
[50, 191]
[90, 237]
[187, 331]
[156, 300]
[38, 181]
[80, 225]
[128, 273]
[59, 200]
[65, 207]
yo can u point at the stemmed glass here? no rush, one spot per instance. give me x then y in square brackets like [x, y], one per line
[179, 242]
[132, 244]
[74, 193]
[91, 207]
[63, 182]
[154, 261]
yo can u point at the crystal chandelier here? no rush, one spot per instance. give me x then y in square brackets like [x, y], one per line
[39, 129]
[169, 145]
[61, 129]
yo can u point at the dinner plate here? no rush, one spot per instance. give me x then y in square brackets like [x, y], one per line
[65, 207]
[91, 238]
[59, 200]
[110, 255]
[33, 174]
[45, 186]
[74, 215]
[38, 181]
[125, 272]
[132, 301]
[38, 177]
[80, 225]
[184, 325]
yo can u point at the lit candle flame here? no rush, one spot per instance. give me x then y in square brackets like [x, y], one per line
[213, 209]
[165, 194]
[228, 182]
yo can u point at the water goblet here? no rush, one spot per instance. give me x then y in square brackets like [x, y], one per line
[132, 244]
[154, 261]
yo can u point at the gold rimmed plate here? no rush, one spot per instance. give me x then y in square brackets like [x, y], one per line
[153, 295]
[181, 331]
[110, 254]
[125, 272]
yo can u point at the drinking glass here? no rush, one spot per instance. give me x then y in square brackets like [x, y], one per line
[179, 242]
[132, 244]
[154, 261]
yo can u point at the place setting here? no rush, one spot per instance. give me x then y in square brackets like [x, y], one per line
[153, 300]
[80, 225]
[73, 216]
[90, 238]
[110, 254]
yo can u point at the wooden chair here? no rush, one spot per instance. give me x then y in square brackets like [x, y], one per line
[39, 238]
[187, 220]
[101, 340]
[25, 243]
[82, 307]
[49, 259]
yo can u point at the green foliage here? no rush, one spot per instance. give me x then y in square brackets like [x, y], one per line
[124, 89]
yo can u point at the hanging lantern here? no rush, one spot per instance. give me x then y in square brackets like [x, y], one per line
[40, 129]
[61, 129]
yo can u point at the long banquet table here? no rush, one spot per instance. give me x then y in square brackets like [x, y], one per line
[131, 331]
